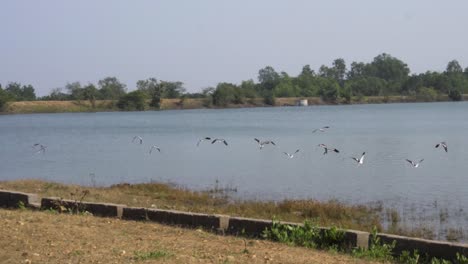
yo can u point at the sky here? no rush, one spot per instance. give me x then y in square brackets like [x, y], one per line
[49, 43]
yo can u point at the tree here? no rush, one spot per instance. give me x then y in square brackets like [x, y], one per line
[285, 87]
[57, 95]
[153, 89]
[224, 94]
[367, 86]
[172, 89]
[268, 78]
[453, 67]
[329, 89]
[358, 69]
[306, 82]
[455, 95]
[208, 94]
[389, 68]
[111, 88]
[339, 71]
[132, 101]
[427, 94]
[20, 93]
[4, 98]
[75, 90]
[249, 89]
[90, 93]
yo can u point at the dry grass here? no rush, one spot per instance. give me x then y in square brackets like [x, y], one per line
[58, 106]
[42, 237]
[167, 197]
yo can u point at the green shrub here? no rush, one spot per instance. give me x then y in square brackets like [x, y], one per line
[132, 101]
[307, 235]
[455, 95]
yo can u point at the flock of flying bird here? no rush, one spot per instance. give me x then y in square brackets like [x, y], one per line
[40, 148]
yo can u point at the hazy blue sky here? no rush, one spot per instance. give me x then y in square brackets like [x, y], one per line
[49, 43]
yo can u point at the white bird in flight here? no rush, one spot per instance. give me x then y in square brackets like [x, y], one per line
[203, 139]
[291, 155]
[154, 147]
[443, 144]
[263, 143]
[361, 159]
[220, 140]
[42, 148]
[415, 164]
[321, 129]
[327, 148]
[139, 138]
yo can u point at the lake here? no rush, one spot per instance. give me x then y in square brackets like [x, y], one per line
[97, 149]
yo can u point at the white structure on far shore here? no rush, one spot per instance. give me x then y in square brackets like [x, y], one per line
[303, 102]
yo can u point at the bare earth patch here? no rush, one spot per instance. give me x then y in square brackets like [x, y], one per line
[45, 237]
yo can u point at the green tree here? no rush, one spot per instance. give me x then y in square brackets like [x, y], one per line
[358, 70]
[339, 71]
[132, 101]
[4, 98]
[329, 89]
[110, 88]
[268, 78]
[285, 87]
[21, 93]
[90, 92]
[57, 95]
[153, 89]
[75, 90]
[224, 94]
[306, 81]
[427, 94]
[172, 89]
[208, 96]
[249, 89]
[389, 68]
[455, 95]
[453, 67]
[366, 86]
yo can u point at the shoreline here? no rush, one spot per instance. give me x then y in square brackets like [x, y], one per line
[31, 107]
[219, 200]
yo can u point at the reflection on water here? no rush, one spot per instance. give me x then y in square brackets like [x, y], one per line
[97, 149]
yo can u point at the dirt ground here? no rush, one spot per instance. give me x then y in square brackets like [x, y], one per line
[46, 237]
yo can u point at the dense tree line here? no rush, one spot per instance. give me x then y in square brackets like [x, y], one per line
[385, 75]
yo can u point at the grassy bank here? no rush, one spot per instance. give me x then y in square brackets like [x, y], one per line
[27, 107]
[217, 201]
[211, 201]
[45, 237]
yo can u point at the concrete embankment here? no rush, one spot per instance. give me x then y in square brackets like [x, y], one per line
[221, 223]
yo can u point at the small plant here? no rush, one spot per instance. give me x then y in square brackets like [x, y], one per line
[377, 250]
[461, 259]
[408, 258]
[21, 205]
[138, 255]
[307, 235]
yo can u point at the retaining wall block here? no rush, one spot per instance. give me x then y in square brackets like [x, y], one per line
[432, 248]
[134, 213]
[98, 209]
[248, 226]
[11, 199]
[354, 238]
[183, 218]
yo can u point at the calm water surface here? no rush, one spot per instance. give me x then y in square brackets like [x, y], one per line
[100, 144]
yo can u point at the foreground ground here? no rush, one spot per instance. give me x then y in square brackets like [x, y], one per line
[47, 237]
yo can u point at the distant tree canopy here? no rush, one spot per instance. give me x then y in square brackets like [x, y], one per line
[385, 75]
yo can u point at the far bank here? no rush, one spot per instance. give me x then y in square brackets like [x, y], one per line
[28, 107]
